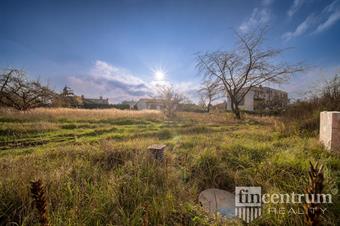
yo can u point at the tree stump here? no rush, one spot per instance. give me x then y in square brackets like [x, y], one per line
[157, 151]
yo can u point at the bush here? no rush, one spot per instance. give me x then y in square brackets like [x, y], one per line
[303, 117]
[122, 106]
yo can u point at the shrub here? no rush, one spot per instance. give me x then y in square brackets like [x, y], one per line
[302, 117]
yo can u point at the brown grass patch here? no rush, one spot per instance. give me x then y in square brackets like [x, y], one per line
[75, 114]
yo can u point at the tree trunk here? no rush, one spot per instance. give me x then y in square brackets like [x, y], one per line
[208, 107]
[237, 114]
[236, 110]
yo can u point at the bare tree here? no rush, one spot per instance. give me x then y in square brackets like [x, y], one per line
[171, 100]
[331, 90]
[248, 66]
[17, 92]
[209, 92]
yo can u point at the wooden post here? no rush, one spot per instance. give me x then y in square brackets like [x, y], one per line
[157, 151]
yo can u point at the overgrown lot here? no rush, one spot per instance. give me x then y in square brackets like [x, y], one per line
[97, 170]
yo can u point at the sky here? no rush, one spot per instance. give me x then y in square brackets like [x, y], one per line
[121, 49]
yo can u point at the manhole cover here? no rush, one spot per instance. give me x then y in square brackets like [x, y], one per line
[218, 201]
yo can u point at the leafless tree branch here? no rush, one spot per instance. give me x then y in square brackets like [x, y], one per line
[247, 66]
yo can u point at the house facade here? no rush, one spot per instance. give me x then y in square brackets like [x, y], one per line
[95, 103]
[262, 99]
[145, 103]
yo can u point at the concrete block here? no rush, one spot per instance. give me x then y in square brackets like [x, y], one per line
[330, 130]
[157, 151]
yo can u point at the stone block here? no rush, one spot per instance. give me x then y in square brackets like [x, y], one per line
[157, 151]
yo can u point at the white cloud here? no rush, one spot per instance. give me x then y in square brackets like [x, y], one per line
[331, 20]
[103, 70]
[110, 81]
[120, 84]
[331, 7]
[316, 23]
[300, 29]
[297, 4]
[258, 17]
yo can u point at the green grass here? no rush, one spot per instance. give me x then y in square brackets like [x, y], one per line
[98, 171]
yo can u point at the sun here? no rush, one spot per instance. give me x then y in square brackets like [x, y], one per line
[159, 75]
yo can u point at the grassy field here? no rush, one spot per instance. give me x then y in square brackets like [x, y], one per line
[97, 170]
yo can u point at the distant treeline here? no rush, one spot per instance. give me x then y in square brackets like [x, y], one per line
[18, 92]
[21, 93]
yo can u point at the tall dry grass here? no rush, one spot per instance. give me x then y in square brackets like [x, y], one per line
[110, 180]
[225, 118]
[77, 114]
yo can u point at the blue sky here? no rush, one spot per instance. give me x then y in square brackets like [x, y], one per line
[114, 48]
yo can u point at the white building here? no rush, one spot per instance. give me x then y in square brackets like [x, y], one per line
[261, 98]
[145, 103]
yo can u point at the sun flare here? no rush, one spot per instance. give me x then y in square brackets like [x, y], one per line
[159, 75]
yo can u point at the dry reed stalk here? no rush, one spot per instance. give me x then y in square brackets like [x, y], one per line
[146, 216]
[315, 186]
[38, 195]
